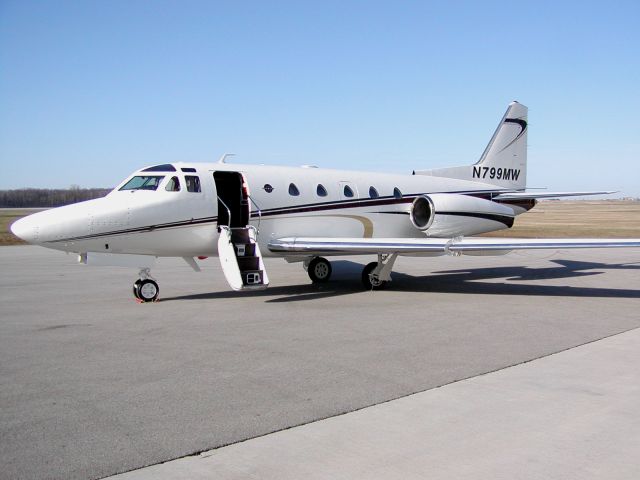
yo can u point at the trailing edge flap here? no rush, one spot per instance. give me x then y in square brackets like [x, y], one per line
[438, 246]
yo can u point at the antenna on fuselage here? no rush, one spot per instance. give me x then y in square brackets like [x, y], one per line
[223, 158]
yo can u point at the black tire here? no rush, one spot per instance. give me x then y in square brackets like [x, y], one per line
[136, 288]
[148, 290]
[366, 278]
[319, 270]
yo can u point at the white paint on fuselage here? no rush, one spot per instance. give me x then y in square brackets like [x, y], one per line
[167, 223]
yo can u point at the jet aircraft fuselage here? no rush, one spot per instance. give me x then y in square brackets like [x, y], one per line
[165, 218]
[244, 212]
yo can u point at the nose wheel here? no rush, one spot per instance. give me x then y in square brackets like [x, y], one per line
[145, 288]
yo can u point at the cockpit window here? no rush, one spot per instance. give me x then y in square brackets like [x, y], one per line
[173, 185]
[193, 183]
[143, 183]
[166, 167]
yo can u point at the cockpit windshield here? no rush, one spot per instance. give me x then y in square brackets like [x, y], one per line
[147, 182]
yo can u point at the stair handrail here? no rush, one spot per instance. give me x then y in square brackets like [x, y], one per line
[259, 212]
[228, 210]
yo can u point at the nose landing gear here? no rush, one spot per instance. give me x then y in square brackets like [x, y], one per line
[146, 288]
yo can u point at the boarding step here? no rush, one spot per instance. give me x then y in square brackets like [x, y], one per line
[252, 277]
[245, 250]
[241, 259]
[248, 263]
[240, 236]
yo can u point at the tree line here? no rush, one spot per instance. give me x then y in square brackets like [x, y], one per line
[45, 197]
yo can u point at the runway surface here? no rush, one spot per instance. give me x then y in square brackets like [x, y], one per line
[94, 384]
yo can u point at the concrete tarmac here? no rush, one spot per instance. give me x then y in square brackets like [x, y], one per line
[569, 415]
[93, 384]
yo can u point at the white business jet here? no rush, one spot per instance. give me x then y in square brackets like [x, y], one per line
[242, 212]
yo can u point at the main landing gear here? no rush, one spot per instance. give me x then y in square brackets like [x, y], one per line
[375, 275]
[319, 269]
[146, 288]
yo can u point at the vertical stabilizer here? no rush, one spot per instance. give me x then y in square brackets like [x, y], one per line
[504, 162]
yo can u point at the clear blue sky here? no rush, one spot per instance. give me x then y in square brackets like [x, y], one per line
[92, 90]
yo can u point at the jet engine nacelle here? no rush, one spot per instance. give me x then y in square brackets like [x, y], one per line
[452, 215]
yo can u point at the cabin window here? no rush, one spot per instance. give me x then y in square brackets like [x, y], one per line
[373, 193]
[173, 185]
[160, 168]
[321, 191]
[293, 190]
[143, 182]
[193, 183]
[348, 192]
[267, 188]
[188, 169]
[397, 193]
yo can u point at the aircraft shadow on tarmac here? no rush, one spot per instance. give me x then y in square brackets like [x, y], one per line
[470, 280]
[346, 281]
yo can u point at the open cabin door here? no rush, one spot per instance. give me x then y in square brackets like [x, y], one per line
[238, 250]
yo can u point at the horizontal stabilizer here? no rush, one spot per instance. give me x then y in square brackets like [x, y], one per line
[541, 195]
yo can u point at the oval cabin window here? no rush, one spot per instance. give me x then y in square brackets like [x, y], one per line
[397, 193]
[347, 191]
[373, 193]
[321, 191]
[293, 190]
[267, 188]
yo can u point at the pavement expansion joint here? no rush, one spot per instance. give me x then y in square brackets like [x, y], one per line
[208, 453]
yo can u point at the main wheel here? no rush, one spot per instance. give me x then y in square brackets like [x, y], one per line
[319, 270]
[136, 288]
[148, 290]
[369, 281]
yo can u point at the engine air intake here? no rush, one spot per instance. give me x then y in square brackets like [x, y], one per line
[422, 212]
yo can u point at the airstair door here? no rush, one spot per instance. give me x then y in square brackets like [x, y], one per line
[238, 249]
[233, 199]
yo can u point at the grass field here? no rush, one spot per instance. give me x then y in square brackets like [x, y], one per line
[597, 219]
[566, 219]
[7, 217]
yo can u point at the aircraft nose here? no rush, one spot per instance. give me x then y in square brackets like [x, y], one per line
[25, 229]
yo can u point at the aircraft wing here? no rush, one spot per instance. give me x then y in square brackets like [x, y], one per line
[453, 246]
[543, 194]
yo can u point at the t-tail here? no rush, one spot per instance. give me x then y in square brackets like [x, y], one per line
[504, 161]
